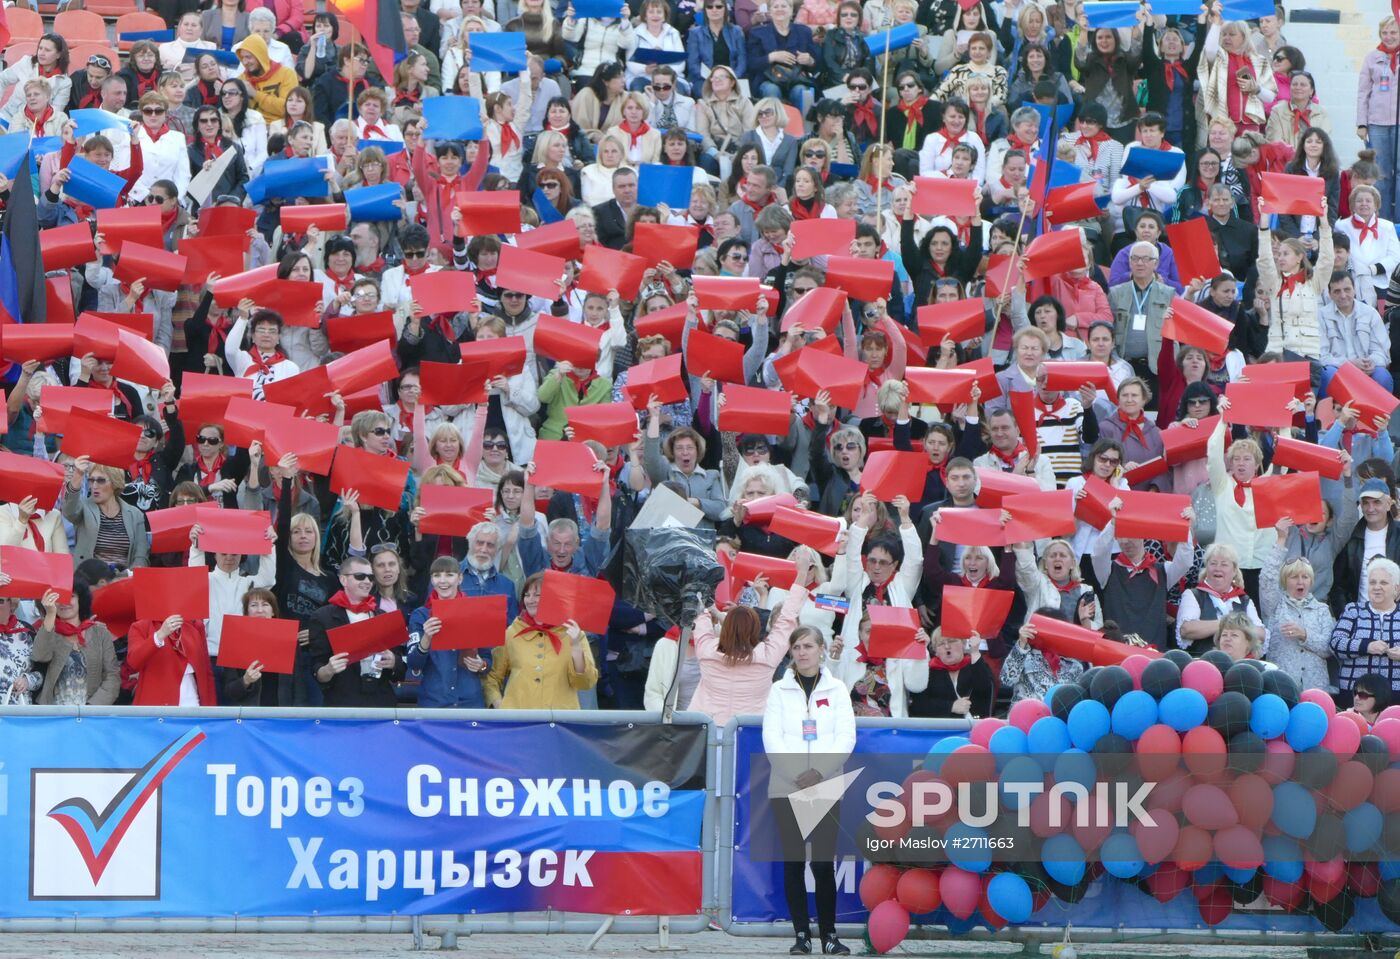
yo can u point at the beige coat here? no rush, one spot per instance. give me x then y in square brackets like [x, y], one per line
[103, 675]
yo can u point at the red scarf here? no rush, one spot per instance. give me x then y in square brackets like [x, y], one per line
[1373, 228]
[806, 209]
[950, 142]
[1237, 99]
[367, 605]
[1172, 70]
[935, 663]
[53, 71]
[1290, 283]
[863, 117]
[1009, 458]
[141, 469]
[208, 94]
[1392, 55]
[160, 132]
[442, 322]
[91, 100]
[410, 271]
[1068, 587]
[13, 627]
[1302, 119]
[218, 334]
[538, 627]
[756, 207]
[913, 112]
[1240, 491]
[117, 394]
[1093, 143]
[375, 267]
[582, 381]
[878, 598]
[34, 531]
[1144, 199]
[210, 475]
[213, 149]
[1133, 427]
[74, 630]
[875, 185]
[626, 127]
[1148, 565]
[510, 140]
[1233, 593]
[408, 98]
[345, 282]
[38, 122]
[264, 366]
[1014, 142]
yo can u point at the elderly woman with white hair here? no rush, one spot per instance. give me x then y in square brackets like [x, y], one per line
[1219, 592]
[1301, 624]
[1366, 638]
[757, 482]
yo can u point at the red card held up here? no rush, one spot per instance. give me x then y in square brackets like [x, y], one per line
[810, 529]
[33, 573]
[612, 424]
[379, 479]
[822, 237]
[367, 367]
[726, 292]
[158, 268]
[668, 322]
[233, 530]
[865, 280]
[1350, 385]
[553, 239]
[485, 212]
[1051, 254]
[1071, 203]
[817, 370]
[107, 441]
[1261, 405]
[1063, 638]
[759, 511]
[1194, 250]
[986, 378]
[1153, 516]
[527, 271]
[892, 632]
[944, 196]
[661, 376]
[305, 393]
[249, 284]
[586, 601]
[452, 510]
[244, 640]
[715, 357]
[1183, 444]
[818, 310]
[666, 243]
[939, 387]
[566, 467]
[162, 592]
[452, 384]
[968, 610]
[56, 401]
[781, 573]
[97, 335]
[207, 256]
[1144, 472]
[296, 300]
[960, 321]
[604, 269]
[44, 342]
[141, 361]
[245, 419]
[993, 486]
[499, 357]
[1295, 495]
[328, 217]
[1292, 193]
[226, 220]
[443, 291]
[1062, 375]
[64, 247]
[170, 528]
[369, 636]
[350, 333]
[970, 526]
[23, 476]
[1294, 373]
[470, 622]
[1092, 507]
[558, 338]
[135, 224]
[888, 475]
[1300, 456]
[1039, 515]
[1193, 325]
[748, 409]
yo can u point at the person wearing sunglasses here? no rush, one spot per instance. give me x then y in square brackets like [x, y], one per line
[364, 682]
[164, 153]
[248, 125]
[105, 526]
[212, 467]
[151, 474]
[354, 526]
[715, 42]
[209, 144]
[393, 282]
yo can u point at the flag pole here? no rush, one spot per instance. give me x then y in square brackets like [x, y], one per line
[884, 93]
[350, 81]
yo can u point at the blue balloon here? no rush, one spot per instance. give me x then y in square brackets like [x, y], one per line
[1120, 855]
[1133, 713]
[933, 762]
[1390, 869]
[1209, 873]
[1240, 876]
[1268, 716]
[1048, 737]
[1019, 769]
[1010, 897]
[1183, 709]
[1283, 860]
[1006, 743]
[1363, 827]
[1076, 766]
[1088, 722]
[968, 848]
[1049, 696]
[1063, 859]
[1307, 725]
[1295, 813]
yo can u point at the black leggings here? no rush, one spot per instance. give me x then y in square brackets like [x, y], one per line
[794, 846]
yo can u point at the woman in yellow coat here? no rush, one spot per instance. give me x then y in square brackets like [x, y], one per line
[546, 665]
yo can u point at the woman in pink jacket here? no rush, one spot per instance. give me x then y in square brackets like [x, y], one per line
[736, 666]
[1375, 108]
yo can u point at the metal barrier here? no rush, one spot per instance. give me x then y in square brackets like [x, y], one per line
[447, 927]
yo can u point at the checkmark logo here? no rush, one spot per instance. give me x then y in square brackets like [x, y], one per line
[97, 835]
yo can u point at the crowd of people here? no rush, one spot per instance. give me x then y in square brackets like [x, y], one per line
[777, 112]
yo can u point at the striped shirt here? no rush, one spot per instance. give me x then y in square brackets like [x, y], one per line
[1359, 626]
[1061, 442]
[113, 545]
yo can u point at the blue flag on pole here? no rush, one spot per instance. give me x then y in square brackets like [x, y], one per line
[900, 37]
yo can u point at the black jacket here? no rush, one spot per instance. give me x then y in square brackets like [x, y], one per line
[349, 687]
[1347, 567]
[235, 176]
[612, 225]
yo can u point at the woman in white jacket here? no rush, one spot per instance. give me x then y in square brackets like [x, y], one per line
[598, 41]
[809, 729]
[884, 572]
[49, 62]
[227, 585]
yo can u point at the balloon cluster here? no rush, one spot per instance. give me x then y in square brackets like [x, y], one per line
[1258, 788]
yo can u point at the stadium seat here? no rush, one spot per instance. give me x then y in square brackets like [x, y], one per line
[78, 25]
[24, 24]
[16, 51]
[136, 21]
[115, 8]
[81, 51]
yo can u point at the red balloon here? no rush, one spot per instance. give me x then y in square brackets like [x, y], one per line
[917, 891]
[1214, 900]
[1326, 889]
[1135, 664]
[1024, 714]
[888, 925]
[1204, 750]
[982, 730]
[1342, 737]
[1209, 807]
[1158, 752]
[1204, 678]
[1321, 698]
[1279, 759]
[1253, 800]
[1169, 792]
[1194, 848]
[969, 764]
[1285, 895]
[1156, 842]
[1385, 792]
[1168, 882]
[1364, 878]
[1238, 847]
[878, 884]
[1350, 786]
[1388, 730]
[1040, 815]
[1390, 712]
[960, 890]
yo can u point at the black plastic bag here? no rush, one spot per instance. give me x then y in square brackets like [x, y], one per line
[670, 572]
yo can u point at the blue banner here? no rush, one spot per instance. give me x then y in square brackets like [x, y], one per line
[109, 817]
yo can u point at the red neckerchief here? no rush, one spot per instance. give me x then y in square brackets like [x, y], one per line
[345, 282]
[376, 267]
[1302, 119]
[875, 185]
[167, 220]
[1392, 55]
[565, 131]
[74, 630]
[875, 377]
[1067, 587]
[1172, 70]
[162, 131]
[1014, 142]
[863, 116]
[208, 93]
[950, 142]
[264, 366]
[141, 469]
[509, 139]
[116, 392]
[34, 531]
[636, 134]
[218, 334]
[1009, 458]
[1203, 186]
[372, 129]
[1045, 410]
[1234, 592]
[1240, 490]
[145, 82]
[1133, 427]
[942, 469]
[1238, 62]
[1052, 660]
[1093, 143]
[13, 627]
[913, 111]
[38, 122]
[434, 598]
[985, 581]
[91, 100]
[209, 476]
[48, 72]
[1148, 565]
[861, 656]
[1143, 199]
[880, 589]
[405, 419]
[410, 271]
[582, 381]
[367, 605]
[536, 626]
[1373, 228]
[213, 149]
[964, 229]
[756, 207]
[935, 663]
[939, 270]
[1290, 283]
[442, 322]
[806, 209]
[408, 98]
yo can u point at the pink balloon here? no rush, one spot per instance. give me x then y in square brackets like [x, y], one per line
[1388, 730]
[1321, 698]
[878, 884]
[1040, 815]
[1342, 737]
[888, 925]
[982, 730]
[1156, 842]
[1024, 714]
[1390, 712]
[961, 890]
[1209, 807]
[1239, 848]
[1135, 664]
[1204, 678]
[1330, 870]
[1279, 759]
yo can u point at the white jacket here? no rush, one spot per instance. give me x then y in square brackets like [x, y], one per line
[165, 159]
[226, 591]
[788, 707]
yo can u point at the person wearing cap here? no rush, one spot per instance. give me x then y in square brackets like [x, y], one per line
[1375, 534]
